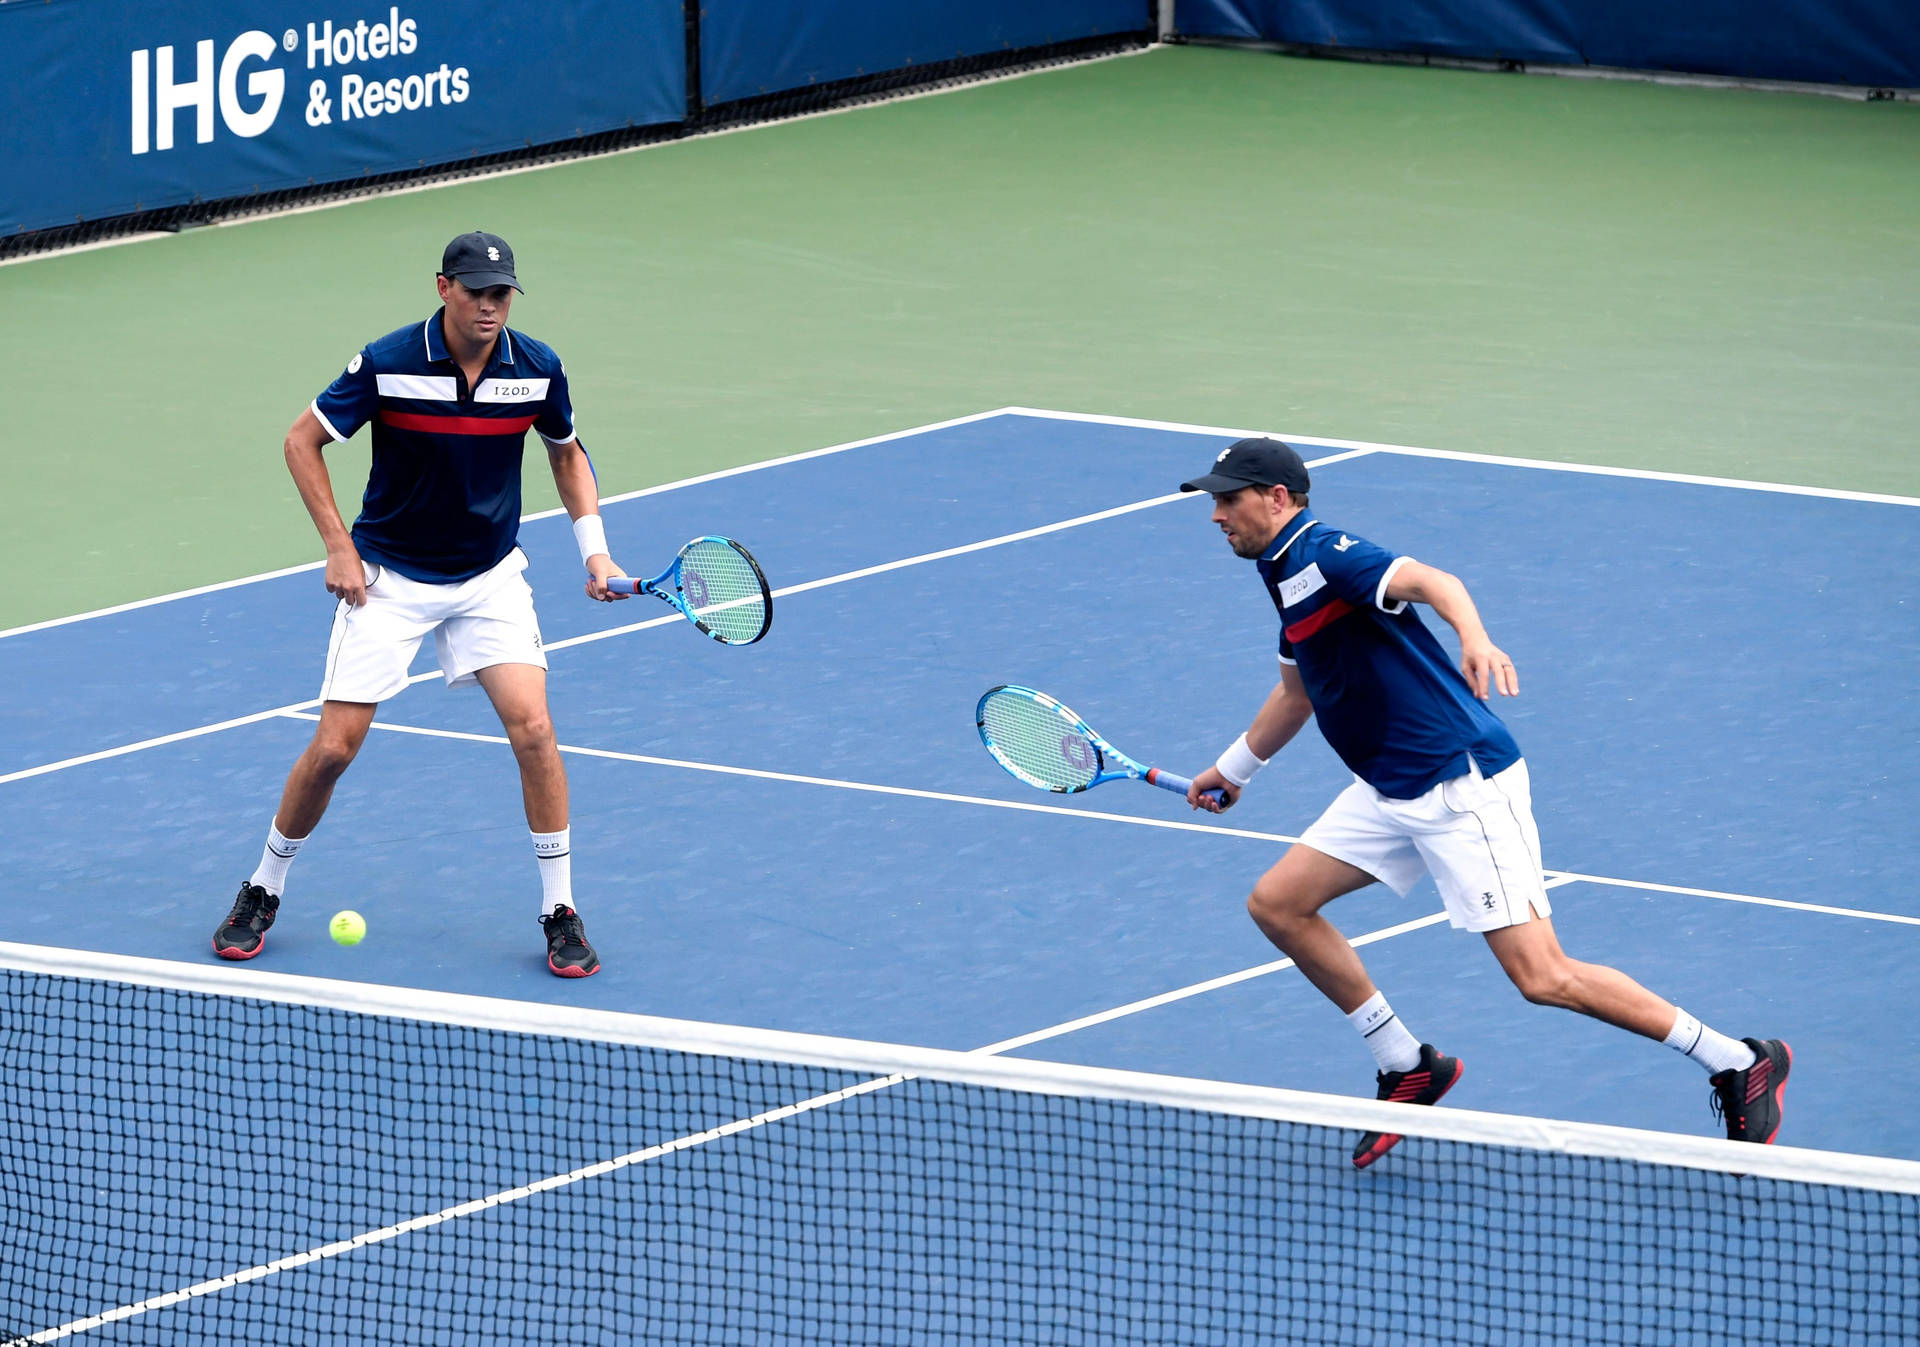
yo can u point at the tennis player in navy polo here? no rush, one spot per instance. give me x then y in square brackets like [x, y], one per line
[435, 551]
[1439, 788]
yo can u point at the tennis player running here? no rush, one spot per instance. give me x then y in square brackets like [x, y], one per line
[1440, 787]
[435, 550]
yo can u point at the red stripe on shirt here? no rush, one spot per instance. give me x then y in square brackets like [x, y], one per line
[458, 425]
[1307, 626]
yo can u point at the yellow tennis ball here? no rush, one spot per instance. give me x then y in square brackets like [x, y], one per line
[349, 928]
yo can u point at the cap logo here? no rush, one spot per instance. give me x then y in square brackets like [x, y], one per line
[493, 254]
[1223, 454]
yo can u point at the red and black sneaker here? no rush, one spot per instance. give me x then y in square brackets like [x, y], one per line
[244, 933]
[568, 953]
[1435, 1075]
[1749, 1100]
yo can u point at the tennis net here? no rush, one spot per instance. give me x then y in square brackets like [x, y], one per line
[217, 1155]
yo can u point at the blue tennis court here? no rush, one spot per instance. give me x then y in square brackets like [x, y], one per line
[805, 834]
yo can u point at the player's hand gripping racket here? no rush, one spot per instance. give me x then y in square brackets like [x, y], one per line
[1046, 745]
[717, 585]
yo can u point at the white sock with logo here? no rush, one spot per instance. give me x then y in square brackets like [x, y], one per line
[275, 860]
[554, 854]
[1393, 1047]
[1716, 1052]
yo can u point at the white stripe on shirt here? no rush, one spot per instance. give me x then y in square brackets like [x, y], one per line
[429, 387]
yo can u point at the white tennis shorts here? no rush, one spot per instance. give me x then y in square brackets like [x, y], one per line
[475, 623]
[1474, 834]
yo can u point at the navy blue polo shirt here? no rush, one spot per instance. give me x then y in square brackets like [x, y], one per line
[1386, 696]
[443, 497]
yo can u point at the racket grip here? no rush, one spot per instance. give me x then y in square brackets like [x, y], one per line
[1179, 785]
[623, 584]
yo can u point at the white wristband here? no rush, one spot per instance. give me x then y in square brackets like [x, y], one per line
[591, 535]
[1238, 764]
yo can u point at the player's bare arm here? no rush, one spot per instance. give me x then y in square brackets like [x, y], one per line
[1483, 662]
[580, 494]
[307, 440]
[1285, 712]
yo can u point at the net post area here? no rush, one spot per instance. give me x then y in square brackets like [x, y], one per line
[207, 1155]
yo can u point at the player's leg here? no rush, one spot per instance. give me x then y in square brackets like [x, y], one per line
[367, 657]
[1350, 846]
[1285, 904]
[1485, 855]
[336, 742]
[1749, 1076]
[494, 640]
[519, 696]
[1531, 956]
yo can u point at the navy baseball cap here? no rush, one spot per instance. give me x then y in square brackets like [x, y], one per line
[1254, 462]
[480, 261]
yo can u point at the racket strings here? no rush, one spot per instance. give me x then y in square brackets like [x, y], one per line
[1035, 742]
[725, 590]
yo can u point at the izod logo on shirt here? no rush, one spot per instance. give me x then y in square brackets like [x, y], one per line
[511, 390]
[1300, 586]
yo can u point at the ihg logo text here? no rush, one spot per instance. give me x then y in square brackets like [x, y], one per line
[249, 89]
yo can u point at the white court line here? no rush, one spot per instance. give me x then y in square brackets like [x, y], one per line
[159, 740]
[1555, 878]
[1460, 456]
[836, 783]
[1196, 989]
[1569, 877]
[1214, 984]
[541, 514]
[919, 560]
[1139, 423]
[665, 619]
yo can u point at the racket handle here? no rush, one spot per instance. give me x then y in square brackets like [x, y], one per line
[1179, 785]
[624, 584]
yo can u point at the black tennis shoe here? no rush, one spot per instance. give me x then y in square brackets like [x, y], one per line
[1749, 1101]
[244, 933]
[568, 953]
[1435, 1075]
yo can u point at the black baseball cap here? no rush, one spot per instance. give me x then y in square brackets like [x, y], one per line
[1254, 462]
[480, 261]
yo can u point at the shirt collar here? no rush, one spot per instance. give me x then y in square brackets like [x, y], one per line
[436, 340]
[1296, 526]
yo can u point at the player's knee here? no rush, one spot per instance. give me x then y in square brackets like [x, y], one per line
[530, 731]
[1273, 906]
[331, 755]
[1548, 984]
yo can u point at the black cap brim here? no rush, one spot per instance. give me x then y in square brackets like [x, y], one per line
[1217, 484]
[486, 280]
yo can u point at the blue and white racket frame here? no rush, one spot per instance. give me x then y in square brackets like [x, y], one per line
[1109, 763]
[670, 586]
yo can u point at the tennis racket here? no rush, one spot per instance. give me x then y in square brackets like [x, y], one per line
[1045, 744]
[717, 585]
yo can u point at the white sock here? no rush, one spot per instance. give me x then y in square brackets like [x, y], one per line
[275, 860]
[1716, 1052]
[554, 854]
[1393, 1047]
